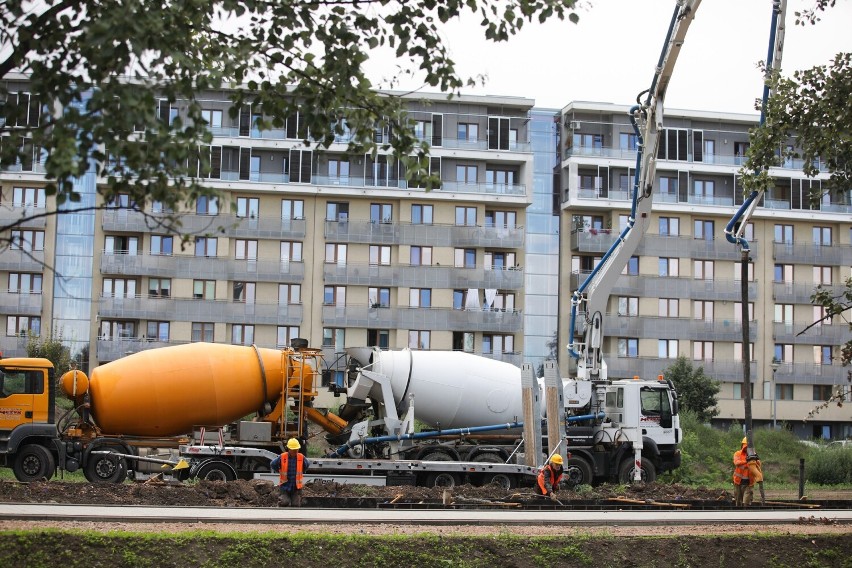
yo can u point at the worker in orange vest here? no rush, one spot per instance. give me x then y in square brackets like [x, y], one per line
[742, 478]
[292, 466]
[755, 474]
[550, 475]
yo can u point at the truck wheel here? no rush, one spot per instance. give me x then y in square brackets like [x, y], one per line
[216, 470]
[501, 480]
[34, 463]
[625, 472]
[105, 468]
[577, 471]
[443, 479]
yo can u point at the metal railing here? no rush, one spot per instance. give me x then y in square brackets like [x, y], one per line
[360, 231]
[200, 267]
[422, 276]
[197, 309]
[422, 318]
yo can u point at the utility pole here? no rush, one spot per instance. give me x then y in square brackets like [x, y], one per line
[746, 349]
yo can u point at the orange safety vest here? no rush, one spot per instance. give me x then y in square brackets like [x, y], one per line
[285, 463]
[741, 468]
[554, 479]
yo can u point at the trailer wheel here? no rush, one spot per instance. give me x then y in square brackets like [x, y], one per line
[501, 480]
[34, 463]
[105, 468]
[625, 472]
[216, 470]
[443, 479]
[577, 471]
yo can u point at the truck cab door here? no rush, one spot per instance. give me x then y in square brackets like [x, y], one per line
[16, 398]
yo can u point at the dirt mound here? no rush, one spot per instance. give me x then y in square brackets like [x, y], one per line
[261, 493]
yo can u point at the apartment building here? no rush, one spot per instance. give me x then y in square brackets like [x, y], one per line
[681, 294]
[305, 242]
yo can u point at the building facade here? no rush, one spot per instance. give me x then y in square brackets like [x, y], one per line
[342, 251]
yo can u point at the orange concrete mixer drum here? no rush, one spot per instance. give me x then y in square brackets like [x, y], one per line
[74, 384]
[167, 391]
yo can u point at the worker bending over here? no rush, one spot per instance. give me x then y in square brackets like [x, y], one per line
[550, 475]
[292, 467]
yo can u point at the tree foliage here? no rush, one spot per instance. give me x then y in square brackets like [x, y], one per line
[696, 391]
[107, 63]
[50, 347]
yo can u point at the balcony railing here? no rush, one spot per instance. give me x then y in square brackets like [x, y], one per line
[23, 217]
[13, 346]
[423, 318]
[599, 241]
[129, 220]
[483, 188]
[422, 276]
[670, 287]
[651, 367]
[190, 309]
[358, 231]
[810, 373]
[16, 260]
[809, 253]
[823, 334]
[13, 302]
[800, 293]
[200, 267]
[680, 328]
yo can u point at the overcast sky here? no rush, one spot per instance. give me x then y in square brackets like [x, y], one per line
[610, 54]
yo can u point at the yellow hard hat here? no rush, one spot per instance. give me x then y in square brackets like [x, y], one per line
[557, 459]
[744, 442]
[293, 444]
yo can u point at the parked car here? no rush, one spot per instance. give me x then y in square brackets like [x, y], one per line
[840, 444]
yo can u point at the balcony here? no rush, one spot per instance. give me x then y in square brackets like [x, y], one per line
[810, 373]
[651, 367]
[190, 309]
[112, 349]
[680, 328]
[515, 189]
[10, 215]
[417, 234]
[16, 260]
[814, 254]
[13, 346]
[21, 304]
[422, 318]
[201, 267]
[600, 240]
[422, 276]
[129, 220]
[669, 287]
[800, 293]
[788, 332]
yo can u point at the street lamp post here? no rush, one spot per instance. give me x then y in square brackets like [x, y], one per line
[775, 364]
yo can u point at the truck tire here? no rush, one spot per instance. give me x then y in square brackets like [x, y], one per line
[105, 468]
[503, 480]
[216, 470]
[444, 479]
[625, 472]
[577, 471]
[34, 463]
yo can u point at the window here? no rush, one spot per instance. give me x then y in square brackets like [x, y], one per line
[784, 273]
[378, 297]
[820, 316]
[23, 283]
[28, 197]
[466, 174]
[738, 390]
[378, 338]
[242, 334]
[159, 287]
[468, 132]
[29, 241]
[245, 250]
[783, 313]
[289, 294]
[704, 190]
[338, 172]
[419, 339]
[497, 344]
[669, 226]
[499, 260]
[738, 312]
[160, 207]
[499, 178]
[822, 354]
[703, 310]
[628, 306]
[292, 209]
[334, 296]
[335, 253]
[588, 222]
[121, 201]
[709, 151]
[702, 350]
[161, 245]
[381, 213]
[421, 214]
[465, 258]
[703, 269]
[668, 188]
[822, 275]
[380, 255]
[783, 392]
[703, 229]
[111, 330]
[784, 234]
[669, 266]
[738, 271]
[668, 307]
[333, 337]
[23, 325]
[119, 288]
[213, 118]
[463, 341]
[466, 216]
[501, 219]
[248, 207]
[783, 352]
[503, 302]
[628, 347]
[207, 205]
[627, 141]
[421, 256]
[632, 268]
[158, 331]
[244, 292]
[823, 392]
[336, 211]
[420, 297]
[291, 251]
[205, 246]
[202, 331]
[285, 334]
[738, 352]
[204, 289]
[588, 140]
[301, 166]
[822, 236]
[667, 348]
[673, 144]
[740, 150]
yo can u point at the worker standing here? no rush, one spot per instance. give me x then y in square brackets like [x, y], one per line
[550, 475]
[292, 466]
[755, 474]
[742, 482]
